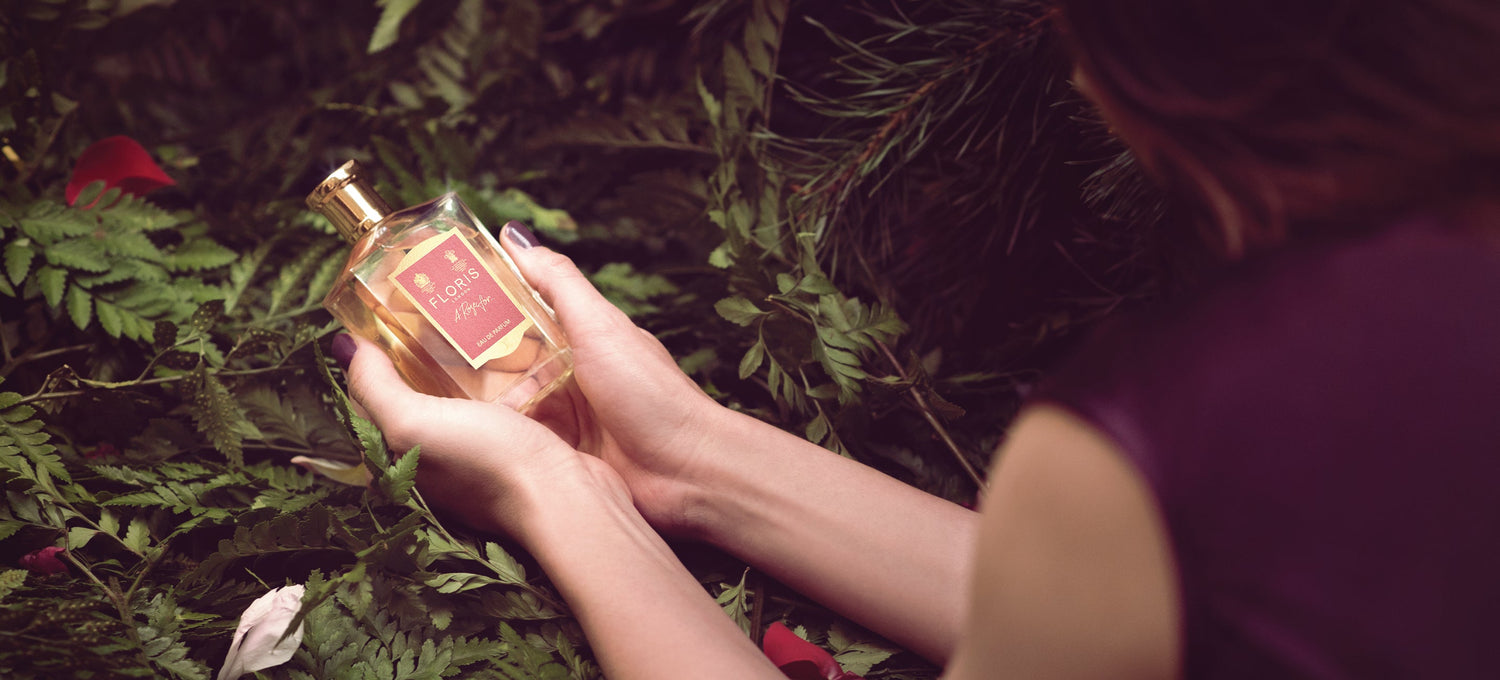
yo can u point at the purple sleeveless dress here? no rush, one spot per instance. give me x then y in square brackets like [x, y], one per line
[1321, 431]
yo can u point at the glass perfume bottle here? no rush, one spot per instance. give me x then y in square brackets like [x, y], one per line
[433, 288]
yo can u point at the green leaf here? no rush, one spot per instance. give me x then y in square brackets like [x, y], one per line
[24, 447]
[401, 476]
[108, 523]
[389, 26]
[80, 307]
[450, 582]
[79, 537]
[49, 222]
[110, 318]
[132, 244]
[138, 536]
[18, 256]
[817, 429]
[52, 282]
[738, 310]
[857, 656]
[506, 567]
[736, 603]
[207, 316]
[10, 580]
[85, 253]
[817, 284]
[217, 414]
[372, 445]
[198, 254]
[753, 359]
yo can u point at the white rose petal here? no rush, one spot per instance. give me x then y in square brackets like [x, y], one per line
[257, 641]
[353, 474]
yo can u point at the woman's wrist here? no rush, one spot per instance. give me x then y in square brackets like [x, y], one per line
[711, 490]
[582, 482]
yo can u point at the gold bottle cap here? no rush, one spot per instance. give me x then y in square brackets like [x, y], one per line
[349, 202]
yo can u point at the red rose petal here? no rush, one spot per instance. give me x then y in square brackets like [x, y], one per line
[799, 659]
[44, 561]
[120, 162]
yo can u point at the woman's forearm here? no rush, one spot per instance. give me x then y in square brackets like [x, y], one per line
[644, 614]
[878, 551]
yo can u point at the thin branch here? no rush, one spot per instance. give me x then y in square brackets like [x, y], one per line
[45, 396]
[36, 353]
[937, 426]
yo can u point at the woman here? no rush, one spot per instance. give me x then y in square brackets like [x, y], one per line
[1283, 474]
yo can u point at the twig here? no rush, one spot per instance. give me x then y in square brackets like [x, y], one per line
[34, 353]
[942, 432]
[44, 396]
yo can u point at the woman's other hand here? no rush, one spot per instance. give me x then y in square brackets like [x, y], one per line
[644, 416]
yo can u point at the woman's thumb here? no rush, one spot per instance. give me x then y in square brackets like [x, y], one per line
[581, 310]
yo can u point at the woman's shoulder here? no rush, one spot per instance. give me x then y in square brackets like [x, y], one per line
[1308, 411]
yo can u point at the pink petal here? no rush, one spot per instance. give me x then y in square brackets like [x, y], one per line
[120, 162]
[800, 659]
[44, 561]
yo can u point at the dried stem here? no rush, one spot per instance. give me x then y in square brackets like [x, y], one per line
[937, 426]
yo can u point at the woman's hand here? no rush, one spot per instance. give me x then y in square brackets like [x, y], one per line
[500, 470]
[489, 465]
[643, 415]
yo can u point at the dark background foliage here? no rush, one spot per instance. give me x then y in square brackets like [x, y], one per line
[875, 224]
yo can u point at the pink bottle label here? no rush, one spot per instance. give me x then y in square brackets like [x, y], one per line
[456, 290]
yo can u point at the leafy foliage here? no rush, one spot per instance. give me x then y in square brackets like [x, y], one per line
[857, 221]
[102, 263]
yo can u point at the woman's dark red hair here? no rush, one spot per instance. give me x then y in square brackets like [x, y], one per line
[1270, 113]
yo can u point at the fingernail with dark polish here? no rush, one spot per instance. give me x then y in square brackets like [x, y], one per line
[519, 234]
[342, 349]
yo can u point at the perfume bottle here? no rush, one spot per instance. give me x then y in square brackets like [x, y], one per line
[433, 288]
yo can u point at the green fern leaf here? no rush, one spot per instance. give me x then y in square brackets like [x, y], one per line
[91, 193]
[80, 307]
[22, 441]
[198, 254]
[85, 253]
[18, 256]
[140, 499]
[125, 270]
[132, 244]
[109, 318]
[138, 536]
[389, 26]
[372, 445]
[49, 222]
[135, 214]
[216, 413]
[322, 280]
[506, 567]
[11, 579]
[126, 475]
[52, 281]
[400, 477]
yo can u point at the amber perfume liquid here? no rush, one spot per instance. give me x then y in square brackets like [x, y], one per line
[433, 288]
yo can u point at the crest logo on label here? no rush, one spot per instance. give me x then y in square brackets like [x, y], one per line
[458, 264]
